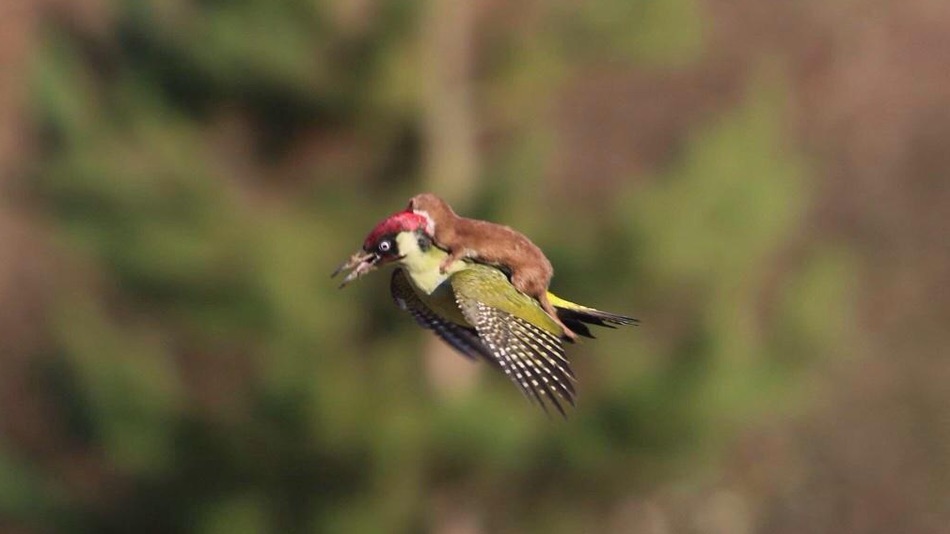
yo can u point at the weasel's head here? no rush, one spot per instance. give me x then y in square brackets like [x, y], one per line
[433, 208]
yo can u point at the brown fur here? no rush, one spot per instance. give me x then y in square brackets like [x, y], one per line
[487, 242]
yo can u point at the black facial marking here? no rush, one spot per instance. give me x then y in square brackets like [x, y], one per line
[424, 242]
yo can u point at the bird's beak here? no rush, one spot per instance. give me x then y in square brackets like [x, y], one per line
[359, 264]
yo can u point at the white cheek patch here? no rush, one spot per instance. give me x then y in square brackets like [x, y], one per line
[430, 224]
[407, 243]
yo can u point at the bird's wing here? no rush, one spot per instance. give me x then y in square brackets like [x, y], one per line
[464, 340]
[530, 355]
[494, 289]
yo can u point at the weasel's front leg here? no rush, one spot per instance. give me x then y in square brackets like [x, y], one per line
[454, 255]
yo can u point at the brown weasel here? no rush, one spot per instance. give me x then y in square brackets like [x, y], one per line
[462, 237]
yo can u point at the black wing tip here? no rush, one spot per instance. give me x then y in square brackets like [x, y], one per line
[560, 409]
[531, 357]
[556, 376]
[543, 397]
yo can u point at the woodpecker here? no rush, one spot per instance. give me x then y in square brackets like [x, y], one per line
[487, 242]
[475, 308]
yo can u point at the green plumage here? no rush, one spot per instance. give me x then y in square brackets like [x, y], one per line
[476, 310]
[533, 358]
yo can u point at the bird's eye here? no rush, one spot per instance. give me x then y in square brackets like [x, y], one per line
[385, 246]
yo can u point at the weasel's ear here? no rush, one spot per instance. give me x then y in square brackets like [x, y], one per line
[411, 206]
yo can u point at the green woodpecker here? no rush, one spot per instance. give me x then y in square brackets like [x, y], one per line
[474, 308]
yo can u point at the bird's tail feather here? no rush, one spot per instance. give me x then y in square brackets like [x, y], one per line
[578, 317]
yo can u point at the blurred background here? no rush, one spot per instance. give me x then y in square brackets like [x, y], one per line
[763, 183]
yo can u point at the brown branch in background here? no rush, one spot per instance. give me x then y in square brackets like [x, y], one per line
[30, 271]
[18, 23]
[450, 153]
[21, 259]
[449, 122]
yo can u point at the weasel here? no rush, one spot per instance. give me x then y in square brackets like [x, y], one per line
[488, 242]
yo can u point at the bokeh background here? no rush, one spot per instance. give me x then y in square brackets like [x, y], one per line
[762, 182]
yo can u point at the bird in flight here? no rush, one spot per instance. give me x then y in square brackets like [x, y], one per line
[475, 308]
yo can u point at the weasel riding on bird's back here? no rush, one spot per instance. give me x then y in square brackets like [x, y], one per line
[492, 243]
[475, 307]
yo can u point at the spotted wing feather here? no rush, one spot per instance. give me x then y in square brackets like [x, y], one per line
[532, 358]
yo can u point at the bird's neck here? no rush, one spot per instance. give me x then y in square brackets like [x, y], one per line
[423, 265]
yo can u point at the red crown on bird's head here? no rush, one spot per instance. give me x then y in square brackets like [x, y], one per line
[403, 221]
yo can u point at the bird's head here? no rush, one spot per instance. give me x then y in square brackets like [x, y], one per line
[381, 245]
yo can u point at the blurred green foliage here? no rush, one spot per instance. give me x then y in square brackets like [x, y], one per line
[203, 358]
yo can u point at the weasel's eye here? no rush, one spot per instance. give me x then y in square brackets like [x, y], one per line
[385, 246]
